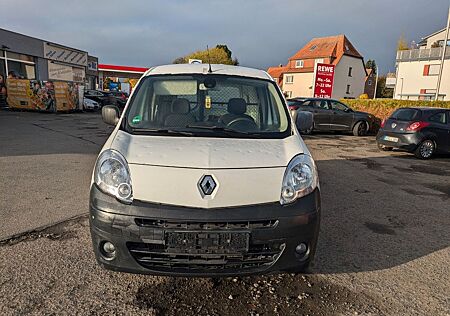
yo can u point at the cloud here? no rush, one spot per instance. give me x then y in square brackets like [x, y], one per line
[260, 33]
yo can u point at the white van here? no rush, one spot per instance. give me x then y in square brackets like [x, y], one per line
[205, 174]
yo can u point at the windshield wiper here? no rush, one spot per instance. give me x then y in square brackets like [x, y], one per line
[223, 129]
[160, 131]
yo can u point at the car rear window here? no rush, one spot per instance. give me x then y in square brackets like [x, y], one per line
[406, 114]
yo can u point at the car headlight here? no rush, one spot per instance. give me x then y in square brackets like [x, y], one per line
[300, 179]
[112, 175]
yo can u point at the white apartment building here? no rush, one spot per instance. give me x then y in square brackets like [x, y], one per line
[417, 70]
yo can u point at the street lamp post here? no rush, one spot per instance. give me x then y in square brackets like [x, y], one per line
[376, 82]
[444, 49]
[401, 89]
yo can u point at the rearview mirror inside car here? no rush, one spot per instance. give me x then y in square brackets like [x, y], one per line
[110, 114]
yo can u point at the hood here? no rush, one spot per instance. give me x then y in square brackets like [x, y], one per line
[207, 153]
[359, 113]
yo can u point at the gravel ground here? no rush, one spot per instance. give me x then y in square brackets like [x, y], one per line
[384, 244]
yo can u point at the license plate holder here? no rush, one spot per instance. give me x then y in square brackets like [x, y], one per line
[207, 242]
[391, 139]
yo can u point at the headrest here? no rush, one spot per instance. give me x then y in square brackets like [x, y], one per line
[180, 106]
[237, 106]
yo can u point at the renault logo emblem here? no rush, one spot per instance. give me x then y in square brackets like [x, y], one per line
[207, 185]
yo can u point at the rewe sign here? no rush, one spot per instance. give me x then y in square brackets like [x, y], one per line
[323, 87]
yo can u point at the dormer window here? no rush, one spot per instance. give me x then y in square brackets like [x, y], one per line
[313, 47]
[299, 64]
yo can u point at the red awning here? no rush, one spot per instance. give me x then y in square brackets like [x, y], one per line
[104, 67]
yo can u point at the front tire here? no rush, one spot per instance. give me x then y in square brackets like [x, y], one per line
[426, 149]
[361, 128]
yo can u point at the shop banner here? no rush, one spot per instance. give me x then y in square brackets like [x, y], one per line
[59, 72]
[66, 73]
[46, 96]
[323, 86]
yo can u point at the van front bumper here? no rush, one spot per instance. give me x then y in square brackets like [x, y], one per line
[157, 239]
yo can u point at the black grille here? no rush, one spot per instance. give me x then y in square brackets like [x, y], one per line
[195, 225]
[162, 258]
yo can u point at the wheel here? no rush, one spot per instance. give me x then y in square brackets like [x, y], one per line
[426, 149]
[360, 128]
[384, 148]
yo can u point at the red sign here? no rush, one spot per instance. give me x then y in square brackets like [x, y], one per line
[323, 87]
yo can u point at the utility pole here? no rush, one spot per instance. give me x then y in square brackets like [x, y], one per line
[444, 49]
[376, 81]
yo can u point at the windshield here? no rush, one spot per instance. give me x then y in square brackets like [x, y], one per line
[207, 105]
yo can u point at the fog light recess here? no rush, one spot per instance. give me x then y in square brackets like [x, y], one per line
[108, 250]
[302, 251]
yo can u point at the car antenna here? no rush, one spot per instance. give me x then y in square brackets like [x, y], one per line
[209, 60]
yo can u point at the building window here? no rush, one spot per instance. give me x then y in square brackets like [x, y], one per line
[350, 71]
[288, 94]
[299, 64]
[289, 79]
[2, 68]
[348, 89]
[431, 70]
[20, 65]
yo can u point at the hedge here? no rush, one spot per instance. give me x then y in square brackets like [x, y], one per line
[382, 108]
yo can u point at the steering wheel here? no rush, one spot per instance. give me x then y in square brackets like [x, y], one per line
[245, 123]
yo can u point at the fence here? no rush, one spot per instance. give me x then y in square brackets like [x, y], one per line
[422, 54]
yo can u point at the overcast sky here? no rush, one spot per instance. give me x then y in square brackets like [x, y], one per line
[260, 33]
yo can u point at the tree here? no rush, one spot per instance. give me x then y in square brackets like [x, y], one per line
[382, 91]
[179, 60]
[220, 54]
[402, 43]
[370, 64]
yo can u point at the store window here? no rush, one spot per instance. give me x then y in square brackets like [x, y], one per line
[22, 66]
[21, 70]
[2, 68]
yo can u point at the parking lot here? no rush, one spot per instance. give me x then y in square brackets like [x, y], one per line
[384, 245]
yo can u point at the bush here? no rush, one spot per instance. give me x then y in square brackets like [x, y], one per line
[363, 96]
[382, 108]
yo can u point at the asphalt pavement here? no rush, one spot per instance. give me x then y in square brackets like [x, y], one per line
[384, 244]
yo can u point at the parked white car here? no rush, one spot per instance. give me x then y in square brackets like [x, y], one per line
[89, 104]
[205, 174]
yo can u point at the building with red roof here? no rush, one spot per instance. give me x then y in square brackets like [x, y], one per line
[296, 78]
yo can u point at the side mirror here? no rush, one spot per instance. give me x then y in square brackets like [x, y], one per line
[110, 114]
[304, 121]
